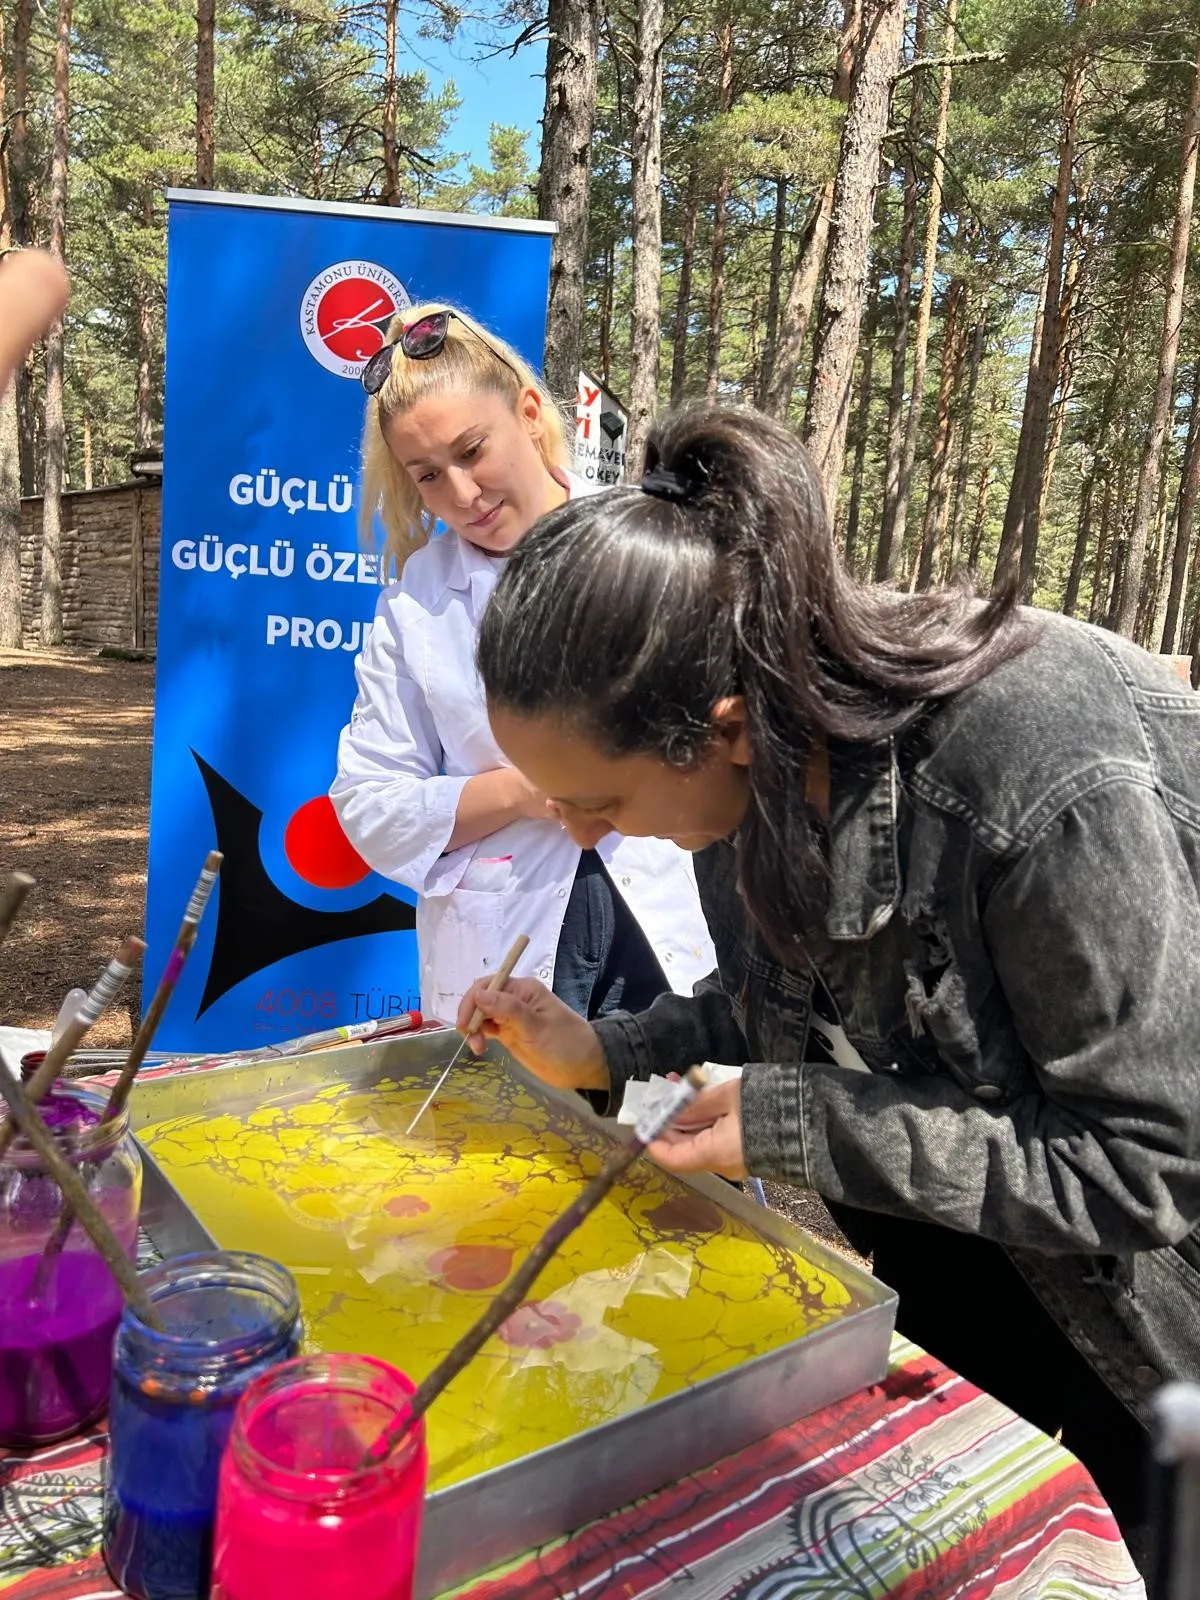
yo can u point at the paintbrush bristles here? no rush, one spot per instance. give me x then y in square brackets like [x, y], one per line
[509, 1299]
[26, 1116]
[184, 941]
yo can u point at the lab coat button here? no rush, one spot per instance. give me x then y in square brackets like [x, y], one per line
[544, 974]
[562, 894]
[625, 882]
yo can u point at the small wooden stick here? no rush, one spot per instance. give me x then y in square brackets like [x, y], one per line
[102, 994]
[184, 941]
[499, 978]
[25, 1116]
[649, 1128]
[12, 899]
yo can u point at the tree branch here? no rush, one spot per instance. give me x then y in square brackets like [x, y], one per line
[972, 58]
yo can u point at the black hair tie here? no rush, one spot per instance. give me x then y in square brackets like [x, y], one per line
[666, 485]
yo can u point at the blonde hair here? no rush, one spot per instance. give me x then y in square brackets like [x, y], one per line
[471, 359]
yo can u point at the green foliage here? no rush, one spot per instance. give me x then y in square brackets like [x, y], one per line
[298, 111]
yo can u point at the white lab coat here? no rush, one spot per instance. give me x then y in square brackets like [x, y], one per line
[418, 731]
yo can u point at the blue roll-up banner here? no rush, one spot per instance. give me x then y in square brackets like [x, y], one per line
[266, 591]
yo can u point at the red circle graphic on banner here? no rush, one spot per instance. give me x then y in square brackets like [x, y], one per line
[317, 849]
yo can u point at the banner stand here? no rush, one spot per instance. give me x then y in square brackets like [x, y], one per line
[266, 594]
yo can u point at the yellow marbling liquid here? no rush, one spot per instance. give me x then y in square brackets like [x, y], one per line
[397, 1243]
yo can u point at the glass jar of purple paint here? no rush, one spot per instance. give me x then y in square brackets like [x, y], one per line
[58, 1318]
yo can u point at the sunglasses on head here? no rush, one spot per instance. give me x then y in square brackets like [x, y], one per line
[420, 341]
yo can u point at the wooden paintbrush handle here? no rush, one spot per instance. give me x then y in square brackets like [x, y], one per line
[501, 976]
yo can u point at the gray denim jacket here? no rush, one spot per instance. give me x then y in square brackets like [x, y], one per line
[1012, 939]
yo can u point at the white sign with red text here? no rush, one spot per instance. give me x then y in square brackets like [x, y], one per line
[600, 428]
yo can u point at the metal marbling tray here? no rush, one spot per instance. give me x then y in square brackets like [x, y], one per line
[482, 1521]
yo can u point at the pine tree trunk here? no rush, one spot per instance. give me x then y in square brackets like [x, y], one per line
[888, 551]
[716, 279]
[982, 492]
[1148, 473]
[716, 292]
[645, 330]
[10, 438]
[143, 418]
[844, 287]
[1189, 493]
[774, 281]
[1065, 383]
[1019, 539]
[1083, 534]
[18, 167]
[51, 596]
[1118, 542]
[933, 222]
[18, 131]
[391, 159]
[568, 116]
[206, 21]
[10, 522]
[1154, 596]
[683, 296]
[862, 426]
[810, 258]
[937, 499]
[966, 434]
[606, 311]
[1103, 542]
[797, 313]
[1099, 471]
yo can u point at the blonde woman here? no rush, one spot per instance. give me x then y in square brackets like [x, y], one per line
[459, 432]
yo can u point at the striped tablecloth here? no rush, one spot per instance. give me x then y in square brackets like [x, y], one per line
[921, 1488]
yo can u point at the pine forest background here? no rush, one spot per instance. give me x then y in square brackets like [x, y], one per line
[949, 242]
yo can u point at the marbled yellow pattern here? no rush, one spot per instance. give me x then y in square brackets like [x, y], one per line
[397, 1242]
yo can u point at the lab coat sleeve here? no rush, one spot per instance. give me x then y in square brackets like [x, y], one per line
[397, 808]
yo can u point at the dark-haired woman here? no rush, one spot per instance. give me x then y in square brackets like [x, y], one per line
[948, 853]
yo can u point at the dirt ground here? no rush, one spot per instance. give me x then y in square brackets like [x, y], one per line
[75, 737]
[74, 801]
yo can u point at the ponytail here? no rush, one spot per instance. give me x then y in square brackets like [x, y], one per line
[630, 615]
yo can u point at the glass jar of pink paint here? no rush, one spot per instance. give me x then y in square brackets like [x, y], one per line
[299, 1517]
[57, 1322]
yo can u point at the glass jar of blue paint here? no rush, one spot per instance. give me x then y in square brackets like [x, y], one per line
[227, 1316]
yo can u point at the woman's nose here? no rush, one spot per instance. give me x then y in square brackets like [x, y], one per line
[586, 833]
[462, 486]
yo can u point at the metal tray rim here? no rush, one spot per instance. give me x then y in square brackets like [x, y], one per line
[444, 1562]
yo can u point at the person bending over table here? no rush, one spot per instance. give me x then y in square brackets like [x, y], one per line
[948, 852]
